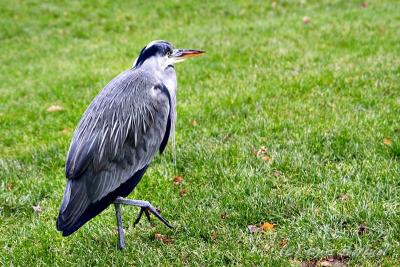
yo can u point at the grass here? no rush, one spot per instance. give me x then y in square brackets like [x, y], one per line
[321, 97]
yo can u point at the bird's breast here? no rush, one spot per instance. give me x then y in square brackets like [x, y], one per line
[169, 79]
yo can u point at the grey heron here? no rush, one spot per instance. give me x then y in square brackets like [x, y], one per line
[118, 136]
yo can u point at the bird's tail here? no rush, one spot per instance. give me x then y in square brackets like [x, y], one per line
[76, 208]
[73, 206]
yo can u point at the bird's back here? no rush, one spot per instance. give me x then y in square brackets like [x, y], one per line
[116, 139]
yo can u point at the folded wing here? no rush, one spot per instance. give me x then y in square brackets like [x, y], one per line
[117, 137]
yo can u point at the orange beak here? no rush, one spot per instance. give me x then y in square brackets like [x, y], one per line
[186, 53]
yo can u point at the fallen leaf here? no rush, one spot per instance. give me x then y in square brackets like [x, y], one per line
[9, 186]
[277, 173]
[327, 263]
[66, 130]
[364, 5]
[283, 243]
[182, 192]
[333, 261]
[223, 216]
[164, 239]
[306, 20]
[37, 209]
[387, 141]
[310, 263]
[262, 151]
[55, 108]
[266, 158]
[344, 197]
[214, 237]
[266, 227]
[253, 228]
[194, 122]
[178, 180]
[362, 229]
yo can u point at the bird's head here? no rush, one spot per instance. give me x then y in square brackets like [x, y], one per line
[162, 54]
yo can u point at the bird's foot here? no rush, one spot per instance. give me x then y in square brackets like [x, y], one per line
[145, 207]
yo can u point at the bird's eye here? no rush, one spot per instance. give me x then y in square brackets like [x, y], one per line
[169, 53]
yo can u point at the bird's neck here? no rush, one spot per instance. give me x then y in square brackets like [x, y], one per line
[153, 63]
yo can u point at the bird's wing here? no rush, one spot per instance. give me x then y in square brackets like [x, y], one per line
[118, 135]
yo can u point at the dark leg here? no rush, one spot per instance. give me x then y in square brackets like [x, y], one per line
[121, 240]
[147, 213]
[145, 207]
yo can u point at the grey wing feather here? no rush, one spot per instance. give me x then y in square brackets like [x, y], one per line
[118, 135]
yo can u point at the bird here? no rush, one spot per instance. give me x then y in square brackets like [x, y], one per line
[119, 134]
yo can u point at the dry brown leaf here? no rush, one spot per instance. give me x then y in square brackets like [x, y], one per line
[178, 180]
[362, 229]
[310, 263]
[66, 130]
[266, 227]
[334, 261]
[214, 237]
[387, 141]
[327, 263]
[277, 173]
[364, 5]
[194, 123]
[306, 20]
[37, 208]
[182, 192]
[266, 158]
[55, 108]
[164, 239]
[283, 243]
[344, 197]
[262, 151]
[9, 186]
[223, 216]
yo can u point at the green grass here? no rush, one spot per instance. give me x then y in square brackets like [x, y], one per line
[322, 97]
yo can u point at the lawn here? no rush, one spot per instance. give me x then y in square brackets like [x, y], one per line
[317, 97]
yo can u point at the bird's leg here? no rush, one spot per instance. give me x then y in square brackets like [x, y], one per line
[145, 207]
[121, 240]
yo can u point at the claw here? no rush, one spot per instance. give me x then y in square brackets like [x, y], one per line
[145, 207]
[138, 217]
[147, 212]
[158, 215]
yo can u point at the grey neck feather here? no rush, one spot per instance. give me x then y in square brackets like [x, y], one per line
[166, 75]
